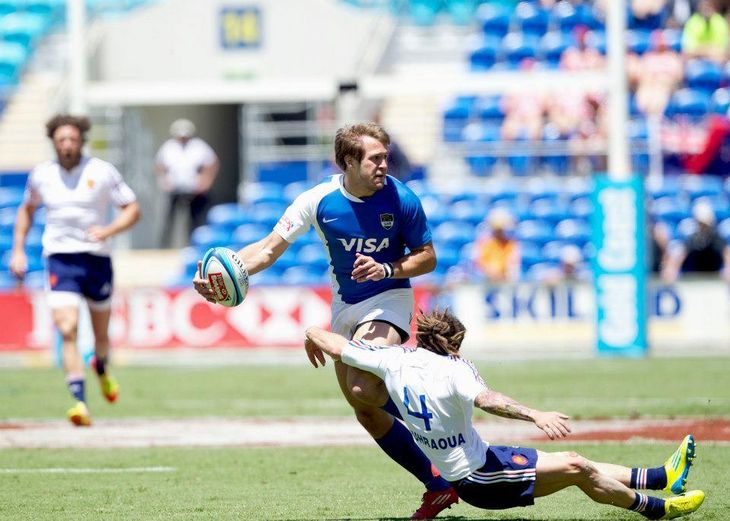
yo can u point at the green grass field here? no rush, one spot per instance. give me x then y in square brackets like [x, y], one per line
[329, 482]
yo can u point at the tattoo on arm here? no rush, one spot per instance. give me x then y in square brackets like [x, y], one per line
[502, 405]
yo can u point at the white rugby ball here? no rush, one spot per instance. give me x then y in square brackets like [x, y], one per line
[227, 275]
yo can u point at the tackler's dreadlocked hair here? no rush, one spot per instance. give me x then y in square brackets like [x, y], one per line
[440, 332]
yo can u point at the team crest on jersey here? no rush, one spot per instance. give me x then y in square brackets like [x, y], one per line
[387, 220]
[286, 223]
[90, 183]
[519, 459]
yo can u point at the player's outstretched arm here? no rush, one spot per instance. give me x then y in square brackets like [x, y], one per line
[554, 424]
[256, 256]
[318, 341]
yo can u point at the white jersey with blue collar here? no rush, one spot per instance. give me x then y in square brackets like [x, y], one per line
[435, 397]
[381, 226]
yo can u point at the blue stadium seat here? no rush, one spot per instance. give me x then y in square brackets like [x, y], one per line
[685, 228]
[704, 75]
[552, 46]
[552, 251]
[574, 231]
[539, 188]
[551, 211]
[581, 208]
[228, 216]
[49, 9]
[701, 186]
[287, 260]
[720, 101]
[724, 229]
[667, 186]
[302, 276]
[566, 17]
[517, 47]
[35, 263]
[11, 6]
[596, 39]
[423, 12]
[470, 212]
[461, 11]
[531, 18]
[205, 237]
[669, 210]
[530, 254]
[673, 39]
[189, 257]
[12, 59]
[456, 114]
[6, 239]
[267, 214]
[493, 19]
[248, 233]
[689, 102]
[638, 41]
[35, 280]
[482, 57]
[263, 192]
[313, 255]
[10, 197]
[488, 109]
[295, 189]
[24, 28]
[533, 231]
[454, 234]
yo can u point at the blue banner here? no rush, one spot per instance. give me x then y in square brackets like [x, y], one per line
[619, 267]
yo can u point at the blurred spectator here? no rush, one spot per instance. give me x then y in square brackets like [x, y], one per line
[659, 243]
[706, 33]
[581, 57]
[648, 14]
[704, 251]
[497, 254]
[655, 74]
[714, 156]
[570, 269]
[186, 167]
[523, 111]
[588, 145]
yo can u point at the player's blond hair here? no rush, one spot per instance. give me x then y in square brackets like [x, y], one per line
[348, 141]
[440, 332]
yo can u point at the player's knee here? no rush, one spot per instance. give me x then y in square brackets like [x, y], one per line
[68, 329]
[580, 468]
[371, 418]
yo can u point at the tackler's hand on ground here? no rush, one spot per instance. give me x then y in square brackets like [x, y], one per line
[554, 424]
[202, 286]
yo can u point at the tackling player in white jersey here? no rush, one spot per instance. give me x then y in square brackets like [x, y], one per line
[436, 391]
[367, 221]
[78, 192]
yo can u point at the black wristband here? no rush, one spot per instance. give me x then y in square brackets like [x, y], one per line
[388, 269]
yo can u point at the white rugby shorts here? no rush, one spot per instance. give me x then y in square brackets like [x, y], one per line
[394, 306]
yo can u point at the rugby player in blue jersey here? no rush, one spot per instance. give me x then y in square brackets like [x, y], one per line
[436, 391]
[367, 221]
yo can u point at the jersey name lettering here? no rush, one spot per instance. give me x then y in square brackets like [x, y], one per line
[364, 245]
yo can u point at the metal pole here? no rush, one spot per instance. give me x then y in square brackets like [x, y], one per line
[618, 105]
[76, 25]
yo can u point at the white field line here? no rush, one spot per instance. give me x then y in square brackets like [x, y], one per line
[71, 470]
[229, 432]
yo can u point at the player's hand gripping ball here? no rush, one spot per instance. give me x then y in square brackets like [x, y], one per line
[227, 275]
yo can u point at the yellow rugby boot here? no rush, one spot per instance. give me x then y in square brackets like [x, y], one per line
[678, 465]
[678, 506]
[109, 387]
[79, 415]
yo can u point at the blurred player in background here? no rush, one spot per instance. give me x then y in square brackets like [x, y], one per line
[186, 167]
[366, 220]
[78, 192]
[436, 391]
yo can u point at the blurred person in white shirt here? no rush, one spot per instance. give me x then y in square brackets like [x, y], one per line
[78, 193]
[186, 167]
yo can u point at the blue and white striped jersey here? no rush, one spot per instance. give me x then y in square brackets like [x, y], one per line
[381, 226]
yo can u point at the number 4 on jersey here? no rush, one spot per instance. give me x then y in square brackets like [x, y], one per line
[424, 414]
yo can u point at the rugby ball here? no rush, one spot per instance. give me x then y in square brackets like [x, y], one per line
[227, 275]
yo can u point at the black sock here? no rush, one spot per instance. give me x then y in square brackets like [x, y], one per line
[648, 506]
